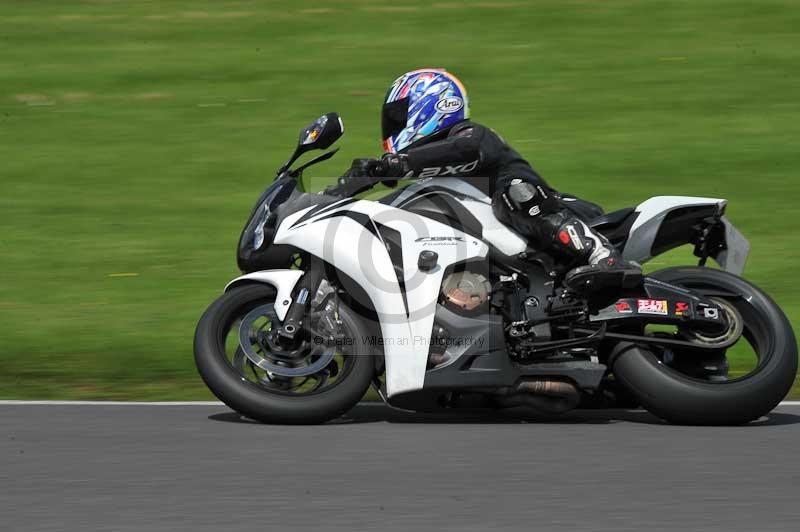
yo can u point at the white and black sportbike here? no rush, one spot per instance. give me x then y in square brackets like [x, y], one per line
[426, 296]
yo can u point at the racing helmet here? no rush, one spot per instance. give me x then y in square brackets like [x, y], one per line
[419, 104]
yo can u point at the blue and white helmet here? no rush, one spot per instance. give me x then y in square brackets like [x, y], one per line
[419, 104]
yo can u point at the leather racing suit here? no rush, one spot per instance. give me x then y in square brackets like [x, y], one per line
[521, 199]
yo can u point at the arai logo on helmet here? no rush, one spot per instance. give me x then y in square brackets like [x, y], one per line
[449, 104]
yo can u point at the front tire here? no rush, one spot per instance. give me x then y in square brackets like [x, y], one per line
[681, 399]
[255, 401]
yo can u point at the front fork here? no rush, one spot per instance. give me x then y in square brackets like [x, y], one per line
[304, 292]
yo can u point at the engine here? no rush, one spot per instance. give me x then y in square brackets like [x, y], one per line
[470, 294]
[466, 292]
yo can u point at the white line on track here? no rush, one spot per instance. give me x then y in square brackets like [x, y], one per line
[9, 402]
[113, 403]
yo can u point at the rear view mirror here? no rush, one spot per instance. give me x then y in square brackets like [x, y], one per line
[323, 132]
[320, 134]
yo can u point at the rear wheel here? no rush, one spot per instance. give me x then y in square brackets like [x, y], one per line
[249, 367]
[687, 389]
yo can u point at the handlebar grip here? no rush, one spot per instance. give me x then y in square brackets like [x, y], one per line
[334, 190]
[377, 169]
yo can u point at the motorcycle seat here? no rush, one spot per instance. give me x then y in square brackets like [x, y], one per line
[610, 219]
[615, 225]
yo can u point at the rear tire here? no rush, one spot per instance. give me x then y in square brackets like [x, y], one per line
[684, 400]
[256, 402]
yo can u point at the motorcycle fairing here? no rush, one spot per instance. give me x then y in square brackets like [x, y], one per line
[663, 222]
[471, 198]
[453, 185]
[378, 246]
[657, 224]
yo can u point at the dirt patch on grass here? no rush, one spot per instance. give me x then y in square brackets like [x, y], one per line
[87, 17]
[207, 15]
[318, 10]
[76, 96]
[481, 5]
[393, 9]
[30, 98]
[152, 96]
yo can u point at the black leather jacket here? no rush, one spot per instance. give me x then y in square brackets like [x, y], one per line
[473, 152]
[479, 156]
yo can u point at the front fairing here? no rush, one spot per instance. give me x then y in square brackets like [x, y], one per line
[256, 237]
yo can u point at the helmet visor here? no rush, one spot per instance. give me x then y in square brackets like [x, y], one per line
[395, 117]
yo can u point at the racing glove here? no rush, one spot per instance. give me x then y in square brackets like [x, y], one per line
[363, 168]
[390, 165]
[394, 165]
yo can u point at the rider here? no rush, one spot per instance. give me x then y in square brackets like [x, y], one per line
[427, 133]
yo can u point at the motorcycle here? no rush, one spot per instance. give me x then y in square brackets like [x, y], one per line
[425, 296]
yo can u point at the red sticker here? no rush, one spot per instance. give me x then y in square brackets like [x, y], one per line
[623, 307]
[681, 308]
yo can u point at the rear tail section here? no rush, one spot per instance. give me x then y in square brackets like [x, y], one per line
[665, 222]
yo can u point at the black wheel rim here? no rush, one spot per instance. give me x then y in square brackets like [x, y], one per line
[755, 341]
[322, 361]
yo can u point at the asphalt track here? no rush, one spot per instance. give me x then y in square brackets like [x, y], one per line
[202, 468]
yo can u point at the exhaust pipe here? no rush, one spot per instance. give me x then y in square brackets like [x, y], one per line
[548, 396]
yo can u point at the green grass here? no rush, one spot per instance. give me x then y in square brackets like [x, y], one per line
[134, 137]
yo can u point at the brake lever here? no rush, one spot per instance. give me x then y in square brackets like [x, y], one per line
[350, 186]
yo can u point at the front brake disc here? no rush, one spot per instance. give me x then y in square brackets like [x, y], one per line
[248, 334]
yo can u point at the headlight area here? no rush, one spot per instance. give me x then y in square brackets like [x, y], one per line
[264, 231]
[258, 233]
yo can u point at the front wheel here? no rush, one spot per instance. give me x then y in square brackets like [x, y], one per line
[672, 385]
[316, 377]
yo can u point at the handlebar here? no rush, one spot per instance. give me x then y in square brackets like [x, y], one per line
[350, 186]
